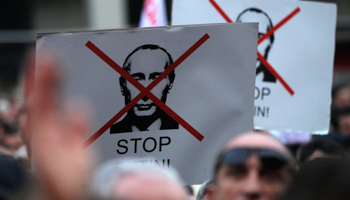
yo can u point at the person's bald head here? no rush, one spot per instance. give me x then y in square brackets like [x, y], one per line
[252, 166]
[258, 140]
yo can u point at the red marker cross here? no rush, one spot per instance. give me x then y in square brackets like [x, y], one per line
[145, 91]
[261, 39]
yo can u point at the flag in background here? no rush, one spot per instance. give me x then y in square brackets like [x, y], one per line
[153, 13]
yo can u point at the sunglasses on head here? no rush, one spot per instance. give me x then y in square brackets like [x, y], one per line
[269, 158]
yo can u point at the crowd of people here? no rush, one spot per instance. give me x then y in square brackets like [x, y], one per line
[253, 165]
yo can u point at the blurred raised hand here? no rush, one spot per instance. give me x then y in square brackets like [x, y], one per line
[60, 162]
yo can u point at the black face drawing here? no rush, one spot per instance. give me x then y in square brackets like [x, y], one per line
[265, 24]
[145, 64]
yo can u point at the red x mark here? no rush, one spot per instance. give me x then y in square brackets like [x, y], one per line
[261, 39]
[145, 91]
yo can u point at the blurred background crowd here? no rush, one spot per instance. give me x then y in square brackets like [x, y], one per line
[23, 19]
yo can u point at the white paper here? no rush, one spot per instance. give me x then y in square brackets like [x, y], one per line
[302, 53]
[213, 89]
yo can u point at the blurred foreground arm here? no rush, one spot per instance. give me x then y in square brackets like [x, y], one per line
[59, 161]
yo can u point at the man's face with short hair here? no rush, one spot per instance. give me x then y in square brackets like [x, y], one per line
[145, 67]
[344, 125]
[251, 181]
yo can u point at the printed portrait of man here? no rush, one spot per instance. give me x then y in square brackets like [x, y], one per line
[265, 24]
[145, 64]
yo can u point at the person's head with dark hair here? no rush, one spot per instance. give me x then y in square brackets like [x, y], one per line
[321, 179]
[342, 122]
[12, 139]
[6, 129]
[320, 147]
[252, 166]
[341, 96]
[145, 64]
[265, 24]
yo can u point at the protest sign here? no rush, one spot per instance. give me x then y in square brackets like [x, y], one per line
[295, 57]
[174, 93]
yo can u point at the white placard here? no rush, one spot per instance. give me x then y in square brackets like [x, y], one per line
[301, 51]
[212, 91]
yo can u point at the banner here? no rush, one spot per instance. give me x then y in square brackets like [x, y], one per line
[153, 13]
[196, 83]
[295, 57]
